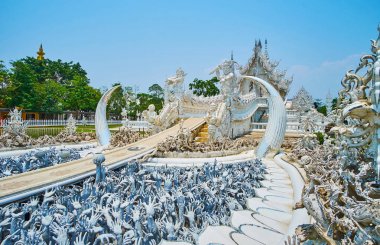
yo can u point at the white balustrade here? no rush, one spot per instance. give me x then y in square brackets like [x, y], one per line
[56, 122]
[290, 127]
[139, 125]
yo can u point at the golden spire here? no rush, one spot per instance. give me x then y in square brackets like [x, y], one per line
[40, 53]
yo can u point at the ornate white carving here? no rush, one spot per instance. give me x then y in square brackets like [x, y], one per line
[228, 79]
[174, 86]
[303, 101]
[150, 115]
[15, 125]
[260, 66]
[71, 127]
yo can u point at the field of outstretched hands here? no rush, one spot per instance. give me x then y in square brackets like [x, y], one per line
[134, 204]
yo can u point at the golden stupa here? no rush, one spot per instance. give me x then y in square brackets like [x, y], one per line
[40, 53]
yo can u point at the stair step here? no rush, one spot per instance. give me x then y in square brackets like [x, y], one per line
[203, 134]
[201, 140]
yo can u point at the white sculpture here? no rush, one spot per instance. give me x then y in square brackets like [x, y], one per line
[275, 132]
[84, 121]
[15, 125]
[259, 65]
[174, 86]
[150, 114]
[329, 103]
[303, 101]
[103, 133]
[227, 79]
[173, 101]
[124, 114]
[219, 122]
[14, 133]
[344, 191]
[71, 127]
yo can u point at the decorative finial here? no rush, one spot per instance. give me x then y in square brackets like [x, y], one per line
[328, 96]
[376, 43]
[232, 55]
[40, 53]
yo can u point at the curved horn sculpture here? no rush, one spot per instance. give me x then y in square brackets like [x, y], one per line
[103, 133]
[275, 132]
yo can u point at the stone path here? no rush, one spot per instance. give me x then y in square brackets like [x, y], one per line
[269, 217]
[23, 185]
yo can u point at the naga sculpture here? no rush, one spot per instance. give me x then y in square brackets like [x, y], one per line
[275, 132]
[103, 133]
[343, 195]
[360, 101]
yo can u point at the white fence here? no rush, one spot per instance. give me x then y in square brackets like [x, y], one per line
[138, 125]
[290, 127]
[47, 123]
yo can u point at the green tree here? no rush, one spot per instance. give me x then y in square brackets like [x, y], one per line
[205, 87]
[322, 109]
[80, 96]
[334, 103]
[49, 86]
[51, 92]
[320, 106]
[147, 99]
[21, 88]
[4, 83]
[156, 91]
[117, 102]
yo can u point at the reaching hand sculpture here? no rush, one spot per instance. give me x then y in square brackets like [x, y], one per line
[100, 169]
[129, 207]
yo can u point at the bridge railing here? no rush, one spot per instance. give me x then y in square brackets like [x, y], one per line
[290, 127]
[56, 122]
[138, 125]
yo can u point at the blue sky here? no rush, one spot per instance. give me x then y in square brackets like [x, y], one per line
[143, 42]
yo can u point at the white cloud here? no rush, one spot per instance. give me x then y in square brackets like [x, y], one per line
[318, 80]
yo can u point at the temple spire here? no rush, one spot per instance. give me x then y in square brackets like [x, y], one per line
[266, 48]
[232, 55]
[40, 53]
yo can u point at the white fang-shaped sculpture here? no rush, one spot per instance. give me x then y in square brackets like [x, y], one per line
[103, 133]
[275, 132]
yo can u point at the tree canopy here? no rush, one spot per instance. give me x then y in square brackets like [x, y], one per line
[205, 87]
[321, 106]
[55, 86]
[156, 91]
[46, 85]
